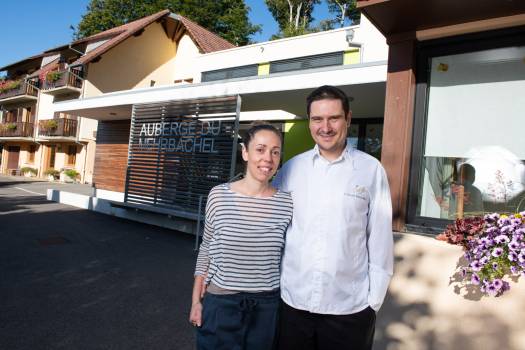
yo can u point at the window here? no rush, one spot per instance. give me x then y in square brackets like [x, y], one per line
[11, 116]
[307, 62]
[230, 73]
[31, 155]
[366, 134]
[71, 154]
[469, 143]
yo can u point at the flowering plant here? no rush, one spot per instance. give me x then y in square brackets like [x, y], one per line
[53, 76]
[494, 248]
[8, 85]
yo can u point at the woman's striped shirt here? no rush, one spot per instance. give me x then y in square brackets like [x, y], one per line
[243, 239]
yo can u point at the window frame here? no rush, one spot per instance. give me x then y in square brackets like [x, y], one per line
[71, 155]
[425, 51]
[31, 155]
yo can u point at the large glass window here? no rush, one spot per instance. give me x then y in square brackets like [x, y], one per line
[474, 140]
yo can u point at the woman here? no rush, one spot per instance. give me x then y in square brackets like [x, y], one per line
[239, 258]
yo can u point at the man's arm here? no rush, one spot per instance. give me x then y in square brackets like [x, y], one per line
[380, 240]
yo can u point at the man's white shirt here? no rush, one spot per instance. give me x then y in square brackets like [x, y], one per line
[338, 256]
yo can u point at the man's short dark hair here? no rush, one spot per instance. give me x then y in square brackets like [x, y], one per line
[327, 92]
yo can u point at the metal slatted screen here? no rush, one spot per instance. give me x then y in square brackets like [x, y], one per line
[179, 150]
[230, 73]
[307, 62]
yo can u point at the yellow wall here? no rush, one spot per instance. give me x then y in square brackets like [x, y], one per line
[185, 66]
[133, 63]
[297, 138]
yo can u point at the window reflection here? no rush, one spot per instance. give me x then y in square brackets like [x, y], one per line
[490, 179]
[474, 149]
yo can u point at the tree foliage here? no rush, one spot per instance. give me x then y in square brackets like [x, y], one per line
[227, 18]
[344, 9]
[292, 16]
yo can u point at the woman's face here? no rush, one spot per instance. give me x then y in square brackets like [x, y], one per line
[262, 155]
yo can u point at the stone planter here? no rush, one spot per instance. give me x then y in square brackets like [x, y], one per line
[67, 179]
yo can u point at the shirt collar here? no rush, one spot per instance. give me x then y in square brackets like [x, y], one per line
[346, 155]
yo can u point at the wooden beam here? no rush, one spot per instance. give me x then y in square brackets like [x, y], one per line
[397, 131]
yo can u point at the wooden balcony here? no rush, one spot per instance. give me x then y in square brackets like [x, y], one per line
[57, 128]
[16, 129]
[27, 91]
[66, 82]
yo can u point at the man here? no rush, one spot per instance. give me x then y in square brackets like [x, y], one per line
[338, 257]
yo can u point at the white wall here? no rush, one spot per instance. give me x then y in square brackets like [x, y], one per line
[374, 44]
[45, 109]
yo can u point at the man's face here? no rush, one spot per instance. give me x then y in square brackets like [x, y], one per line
[328, 126]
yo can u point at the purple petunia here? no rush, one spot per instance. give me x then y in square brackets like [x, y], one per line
[521, 256]
[496, 252]
[491, 290]
[475, 265]
[501, 239]
[497, 283]
[514, 245]
[494, 248]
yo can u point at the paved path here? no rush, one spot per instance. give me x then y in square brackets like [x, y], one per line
[75, 279]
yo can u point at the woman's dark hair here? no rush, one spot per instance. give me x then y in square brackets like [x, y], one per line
[257, 126]
[327, 92]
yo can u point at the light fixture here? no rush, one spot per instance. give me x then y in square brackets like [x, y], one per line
[350, 33]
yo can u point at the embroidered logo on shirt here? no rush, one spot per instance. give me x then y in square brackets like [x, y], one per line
[359, 192]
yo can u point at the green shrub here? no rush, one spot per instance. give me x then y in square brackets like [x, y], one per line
[72, 173]
[27, 169]
[52, 172]
[53, 76]
[49, 124]
[8, 85]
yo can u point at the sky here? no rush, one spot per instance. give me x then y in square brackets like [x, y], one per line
[33, 26]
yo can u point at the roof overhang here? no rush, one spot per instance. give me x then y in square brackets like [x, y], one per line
[402, 16]
[365, 83]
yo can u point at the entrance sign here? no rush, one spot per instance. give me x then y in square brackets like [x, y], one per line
[179, 150]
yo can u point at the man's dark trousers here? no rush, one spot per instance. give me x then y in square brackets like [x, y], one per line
[303, 330]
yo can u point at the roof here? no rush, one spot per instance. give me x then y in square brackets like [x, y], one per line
[203, 38]
[404, 16]
[206, 40]
[117, 35]
[25, 60]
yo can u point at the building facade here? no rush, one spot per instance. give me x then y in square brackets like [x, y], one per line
[269, 81]
[454, 105]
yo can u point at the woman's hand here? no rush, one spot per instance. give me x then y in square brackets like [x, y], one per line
[199, 288]
[196, 314]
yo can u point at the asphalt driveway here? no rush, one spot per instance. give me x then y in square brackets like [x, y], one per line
[76, 279]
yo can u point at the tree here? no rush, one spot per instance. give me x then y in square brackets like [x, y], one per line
[293, 16]
[344, 9]
[227, 18]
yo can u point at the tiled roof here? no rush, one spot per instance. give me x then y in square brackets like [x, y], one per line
[25, 60]
[203, 38]
[206, 40]
[118, 34]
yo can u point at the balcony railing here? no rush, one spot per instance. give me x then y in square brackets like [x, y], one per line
[57, 127]
[16, 129]
[63, 79]
[25, 88]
